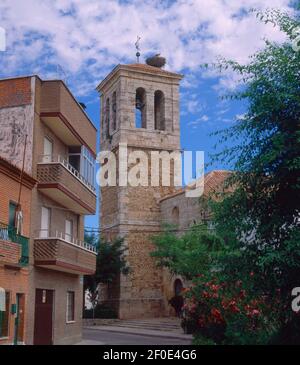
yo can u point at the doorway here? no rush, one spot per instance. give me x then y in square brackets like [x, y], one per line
[19, 320]
[178, 286]
[43, 317]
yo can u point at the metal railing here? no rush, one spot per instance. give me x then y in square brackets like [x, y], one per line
[54, 234]
[8, 233]
[50, 159]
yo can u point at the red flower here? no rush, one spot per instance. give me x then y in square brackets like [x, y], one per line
[201, 322]
[233, 307]
[215, 287]
[242, 294]
[217, 315]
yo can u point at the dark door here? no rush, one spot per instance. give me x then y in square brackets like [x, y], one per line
[178, 286]
[19, 320]
[43, 318]
[12, 214]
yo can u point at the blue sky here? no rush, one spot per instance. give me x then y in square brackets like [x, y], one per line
[82, 40]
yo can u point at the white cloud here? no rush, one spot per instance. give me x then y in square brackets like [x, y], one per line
[240, 116]
[195, 123]
[205, 118]
[87, 38]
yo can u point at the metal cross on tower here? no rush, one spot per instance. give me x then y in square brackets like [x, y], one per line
[137, 46]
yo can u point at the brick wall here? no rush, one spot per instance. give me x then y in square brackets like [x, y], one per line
[15, 92]
[63, 333]
[10, 252]
[16, 120]
[13, 280]
[55, 98]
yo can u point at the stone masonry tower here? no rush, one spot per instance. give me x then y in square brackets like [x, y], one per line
[140, 108]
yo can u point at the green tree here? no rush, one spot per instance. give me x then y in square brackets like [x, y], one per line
[110, 263]
[262, 215]
[188, 255]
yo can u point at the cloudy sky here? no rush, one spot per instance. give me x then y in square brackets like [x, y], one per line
[82, 40]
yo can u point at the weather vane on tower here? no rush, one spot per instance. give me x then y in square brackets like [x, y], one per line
[137, 46]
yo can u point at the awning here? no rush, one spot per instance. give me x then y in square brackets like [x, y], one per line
[2, 300]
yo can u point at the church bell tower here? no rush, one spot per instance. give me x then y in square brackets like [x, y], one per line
[140, 109]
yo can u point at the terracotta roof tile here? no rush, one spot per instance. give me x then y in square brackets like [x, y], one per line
[213, 183]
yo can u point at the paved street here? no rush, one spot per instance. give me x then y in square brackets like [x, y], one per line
[151, 331]
[106, 337]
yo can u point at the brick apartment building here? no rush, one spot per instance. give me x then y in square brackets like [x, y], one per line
[14, 254]
[59, 155]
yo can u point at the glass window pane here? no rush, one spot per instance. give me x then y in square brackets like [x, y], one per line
[4, 317]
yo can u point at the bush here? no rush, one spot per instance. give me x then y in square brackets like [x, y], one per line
[199, 340]
[102, 311]
[229, 314]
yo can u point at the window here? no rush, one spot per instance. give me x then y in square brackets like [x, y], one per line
[4, 316]
[140, 108]
[114, 111]
[45, 223]
[70, 306]
[48, 150]
[159, 110]
[74, 157]
[68, 230]
[107, 119]
[87, 166]
[175, 215]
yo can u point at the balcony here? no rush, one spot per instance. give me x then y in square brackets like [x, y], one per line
[65, 117]
[61, 182]
[57, 251]
[14, 248]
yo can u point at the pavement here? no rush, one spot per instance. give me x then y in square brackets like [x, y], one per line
[164, 331]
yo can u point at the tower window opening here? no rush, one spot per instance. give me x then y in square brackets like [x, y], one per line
[114, 111]
[175, 216]
[159, 110]
[140, 108]
[107, 118]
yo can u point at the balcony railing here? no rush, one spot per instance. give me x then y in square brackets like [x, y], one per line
[53, 234]
[52, 159]
[8, 233]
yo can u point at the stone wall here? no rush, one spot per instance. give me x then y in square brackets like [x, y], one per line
[134, 212]
[16, 120]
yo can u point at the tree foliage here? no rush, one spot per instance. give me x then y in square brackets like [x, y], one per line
[188, 255]
[259, 220]
[109, 264]
[264, 209]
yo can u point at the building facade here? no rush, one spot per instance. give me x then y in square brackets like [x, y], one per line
[60, 152]
[14, 252]
[183, 212]
[139, 110]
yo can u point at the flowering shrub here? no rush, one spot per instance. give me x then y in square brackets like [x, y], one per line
[228, 313]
